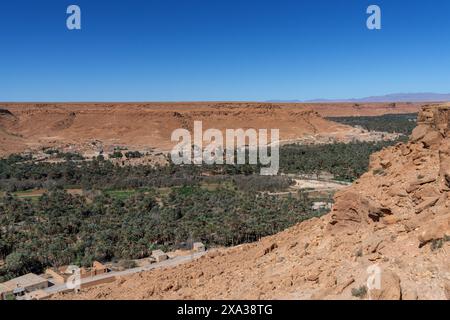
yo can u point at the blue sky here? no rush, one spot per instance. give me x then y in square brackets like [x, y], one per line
[168, 50]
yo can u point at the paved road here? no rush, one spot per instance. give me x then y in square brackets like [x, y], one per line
[167, 263]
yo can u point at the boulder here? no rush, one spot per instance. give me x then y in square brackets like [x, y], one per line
[420, 181]
[388, 220]
[432, 138]
[351, 208]
[435, 231]
[397, 191]
[390, 288]
[426, 204]
[313, 276]
[419, 132]
[372, 244]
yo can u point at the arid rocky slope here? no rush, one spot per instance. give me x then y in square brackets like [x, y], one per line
[28, 127]
[395, 217]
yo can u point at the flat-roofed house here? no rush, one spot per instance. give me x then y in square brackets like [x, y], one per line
[198, 247]
[159, 255]
[61, 275]
[22, 285]
[99, 268]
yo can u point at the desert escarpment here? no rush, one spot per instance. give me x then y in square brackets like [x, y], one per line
[30, 127]
[395, 219]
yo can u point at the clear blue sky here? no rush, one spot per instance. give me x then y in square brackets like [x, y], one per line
[167, 50]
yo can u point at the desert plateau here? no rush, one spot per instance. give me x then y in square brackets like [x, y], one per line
[93, 127]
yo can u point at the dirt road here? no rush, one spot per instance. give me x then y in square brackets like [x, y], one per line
[164, 264]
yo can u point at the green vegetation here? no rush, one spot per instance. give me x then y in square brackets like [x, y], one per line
[346, 162]
[116, 155]
[359, 292]
[10, 297]
[60, 228]
[359, 252]
[68, 156]
[121, 194]
[439, 243]
[133, 154]
[394, 123]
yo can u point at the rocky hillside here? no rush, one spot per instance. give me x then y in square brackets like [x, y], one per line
[9, 142]
[394, 219]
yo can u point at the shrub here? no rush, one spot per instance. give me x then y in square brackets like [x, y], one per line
[116, 155]
[359, 292]
[133, 154]
[437, 244]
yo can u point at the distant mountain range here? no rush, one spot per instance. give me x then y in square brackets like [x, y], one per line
[394, 97]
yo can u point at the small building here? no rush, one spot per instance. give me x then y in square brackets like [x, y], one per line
[22, 285]
[62, 274]
[56, 276]
[97, 268]
[198, 247]
[159, 255]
